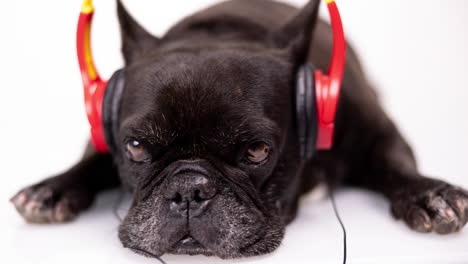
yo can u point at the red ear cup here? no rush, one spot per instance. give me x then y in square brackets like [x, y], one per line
[325, 111]
[102, 101]
[315, 111]
[94, 95]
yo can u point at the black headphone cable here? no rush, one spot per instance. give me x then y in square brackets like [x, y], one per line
[338, 217]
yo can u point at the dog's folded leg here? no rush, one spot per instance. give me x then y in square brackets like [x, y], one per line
[61, 198]
[425, 204]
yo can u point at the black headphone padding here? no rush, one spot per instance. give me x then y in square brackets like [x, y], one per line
[306, 111]
[110, 107]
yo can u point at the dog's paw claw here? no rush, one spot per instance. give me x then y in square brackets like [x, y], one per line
[441, 210]
[421, 221]
[41, 204]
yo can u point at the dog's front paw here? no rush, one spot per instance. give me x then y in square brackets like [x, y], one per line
[47, 203]
[442, 209]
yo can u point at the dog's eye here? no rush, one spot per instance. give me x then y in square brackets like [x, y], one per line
[258, 152]
[136, 152]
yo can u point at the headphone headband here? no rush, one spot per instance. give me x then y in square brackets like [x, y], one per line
[328, 87]
[94, 86]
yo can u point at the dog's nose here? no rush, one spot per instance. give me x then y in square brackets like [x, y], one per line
[189, 194]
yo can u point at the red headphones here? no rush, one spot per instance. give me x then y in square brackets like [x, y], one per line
[316, 93]
[94, 86]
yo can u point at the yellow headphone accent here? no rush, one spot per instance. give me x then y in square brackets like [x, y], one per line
[87, 7]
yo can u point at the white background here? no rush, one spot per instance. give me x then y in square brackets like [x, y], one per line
[416, 54]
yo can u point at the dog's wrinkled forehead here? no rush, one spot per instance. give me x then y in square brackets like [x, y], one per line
[216, 96]
[232, 73]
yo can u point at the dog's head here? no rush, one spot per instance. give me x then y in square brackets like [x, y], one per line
[207, 139]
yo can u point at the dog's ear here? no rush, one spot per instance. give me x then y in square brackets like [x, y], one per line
[135, 39]
[296, 35]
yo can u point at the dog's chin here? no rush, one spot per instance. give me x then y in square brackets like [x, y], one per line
[190, 246]
[185, 246]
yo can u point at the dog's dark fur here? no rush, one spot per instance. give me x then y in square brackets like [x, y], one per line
[216, 82]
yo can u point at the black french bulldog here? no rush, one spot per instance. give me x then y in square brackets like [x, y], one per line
[207, 138]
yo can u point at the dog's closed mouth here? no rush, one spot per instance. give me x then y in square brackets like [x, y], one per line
[189, 241]
[189, 245]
